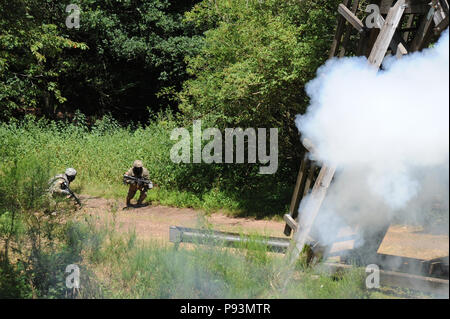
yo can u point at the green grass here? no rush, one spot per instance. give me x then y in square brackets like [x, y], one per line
[103, 152]
[126, 268]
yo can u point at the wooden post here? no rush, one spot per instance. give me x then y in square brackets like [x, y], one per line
[296, 196]
[309, 213]
[351, 18]
[421, 34]
[397, 44]
[348, 29]
[387, 32]
[338, 34]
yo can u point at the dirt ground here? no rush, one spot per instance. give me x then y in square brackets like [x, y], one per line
[153, 222]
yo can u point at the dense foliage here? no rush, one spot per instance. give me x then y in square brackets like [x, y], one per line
[126, 56]
[257, 57]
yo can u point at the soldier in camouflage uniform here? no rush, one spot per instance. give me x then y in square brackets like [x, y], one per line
[138, 171]
[59, 183]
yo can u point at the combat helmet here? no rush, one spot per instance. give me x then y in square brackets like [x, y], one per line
[138, 164]
[70, 173]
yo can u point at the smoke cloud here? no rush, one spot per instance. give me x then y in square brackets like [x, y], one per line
[387, 132]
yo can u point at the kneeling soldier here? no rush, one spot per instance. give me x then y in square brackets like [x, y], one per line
[138, 179]
[60, 184]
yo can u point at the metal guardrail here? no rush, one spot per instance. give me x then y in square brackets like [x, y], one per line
[209, 237]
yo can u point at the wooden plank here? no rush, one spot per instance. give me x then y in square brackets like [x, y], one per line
[421, 34]
[414, 6]
[309, 179]
[338, 34]
[348, 30]
[439, 13]
[431, 285]
[397, 43]
[291, 222]
[296, 196]
[445, 6]
[310, 211]
[442, 26]
[387, 32]
[351, 18]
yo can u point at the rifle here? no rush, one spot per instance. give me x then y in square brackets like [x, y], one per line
[139, 181]
[71, 193]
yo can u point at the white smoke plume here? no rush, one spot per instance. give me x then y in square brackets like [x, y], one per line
[386, 131]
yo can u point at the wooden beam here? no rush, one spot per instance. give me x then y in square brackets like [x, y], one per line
[351, 18]
[387, 32]
[442, 26]
[348, 30]
[291, 222]
[422, 31]
[439, 13]
[338, 34]
[310, 211]
[296, 196]
[432, 285]
[309, 178]
[308, 144]
[414, 6]
[397, 43]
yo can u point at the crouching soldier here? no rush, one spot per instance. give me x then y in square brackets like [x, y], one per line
[138, 179]
[60, 185]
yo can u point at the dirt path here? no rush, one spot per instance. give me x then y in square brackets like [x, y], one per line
[153, 222]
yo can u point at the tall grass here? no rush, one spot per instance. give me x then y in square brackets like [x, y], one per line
[101, 153]
[31, 258]
[123, 267]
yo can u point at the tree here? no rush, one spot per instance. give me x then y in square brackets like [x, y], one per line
[256, 59]
[31, 57]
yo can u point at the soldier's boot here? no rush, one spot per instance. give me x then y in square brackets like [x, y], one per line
[131, 193]
[141, 197]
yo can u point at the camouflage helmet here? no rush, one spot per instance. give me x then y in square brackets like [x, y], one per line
[137, 164]
[71, 172]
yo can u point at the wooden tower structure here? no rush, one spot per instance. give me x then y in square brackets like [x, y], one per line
[403, 26]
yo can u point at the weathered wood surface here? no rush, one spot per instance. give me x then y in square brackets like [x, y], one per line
[309, 178]
[442, 26]
[338, 35]
[348, 29]
[386, 34]
[296, 196]
[422, 32]
[351, 18]
[397, 44]
[413, 6]
[290, 222]
[308, 214]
